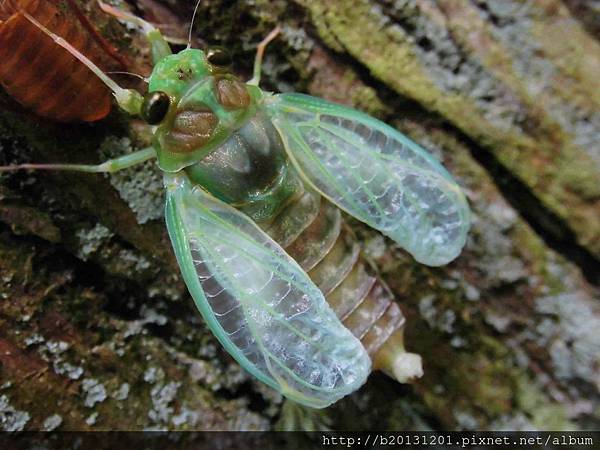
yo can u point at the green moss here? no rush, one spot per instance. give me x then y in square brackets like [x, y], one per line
[580, 175]
[544, 414]
[367, 100]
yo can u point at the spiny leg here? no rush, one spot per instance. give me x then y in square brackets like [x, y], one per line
[110, 166]
[260, 52]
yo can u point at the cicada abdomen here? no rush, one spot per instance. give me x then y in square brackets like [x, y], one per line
[41, 75]
[312, 231]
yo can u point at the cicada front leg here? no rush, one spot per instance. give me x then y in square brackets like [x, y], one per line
[159, 46]
[260, 53]
[109, 166]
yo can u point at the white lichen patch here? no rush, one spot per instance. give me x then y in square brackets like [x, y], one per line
[90, 240]
[466, 421]
[161, 396]
[122, 392]
[448, 284]
[205, 373]
[500, 261]
[471, 292]
[34, 339]
[497, 320]
[297, 38]
[149, 316]
[442, 320]
[570, 332]
[168, 288]
[130, 263]
[66, 368]
[95, 392]
[186, 417]
[235, 375]
[54, 352]
[92, 419]
[11, 419]
[52, 422]
[153, 374]
[514, 28]
[140, 186]
[57, 347]
[458, 342]
[450, 66]
[427, 309]
[518, 422]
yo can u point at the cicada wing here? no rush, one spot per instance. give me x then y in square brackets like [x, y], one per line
[374, 173]
[259, 302]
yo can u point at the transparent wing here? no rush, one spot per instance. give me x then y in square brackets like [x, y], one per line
[259, 303]
[374, 173]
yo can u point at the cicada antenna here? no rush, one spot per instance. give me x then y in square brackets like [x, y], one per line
[137, 75]
[192, 24]
[128, 99]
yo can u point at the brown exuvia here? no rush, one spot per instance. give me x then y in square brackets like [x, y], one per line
[41, 75]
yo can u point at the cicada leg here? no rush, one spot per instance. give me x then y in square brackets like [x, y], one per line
[110, 166]
[260, 53]
[395, 361]
[160, 47]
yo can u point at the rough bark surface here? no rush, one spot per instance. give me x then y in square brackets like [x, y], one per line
[98, 332]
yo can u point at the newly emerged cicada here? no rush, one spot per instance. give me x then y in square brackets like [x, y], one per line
[255, 183]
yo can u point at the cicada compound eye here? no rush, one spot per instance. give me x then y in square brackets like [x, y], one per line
[219, 57]
[155, 107]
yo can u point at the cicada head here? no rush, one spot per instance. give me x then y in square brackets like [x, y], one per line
[196, 104]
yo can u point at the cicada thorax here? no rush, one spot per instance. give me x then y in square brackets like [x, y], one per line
[41, 75]
[249, 171]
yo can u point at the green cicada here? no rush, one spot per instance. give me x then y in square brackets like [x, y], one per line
[243, 171]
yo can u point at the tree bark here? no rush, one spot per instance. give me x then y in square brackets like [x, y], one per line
[97, 330]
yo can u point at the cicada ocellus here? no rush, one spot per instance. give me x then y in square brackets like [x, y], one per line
[255, 182]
